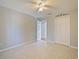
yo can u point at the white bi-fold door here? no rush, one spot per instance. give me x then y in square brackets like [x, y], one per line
[62, 29]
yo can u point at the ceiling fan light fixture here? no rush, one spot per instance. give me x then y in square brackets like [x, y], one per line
[40, 9]
[41, 5]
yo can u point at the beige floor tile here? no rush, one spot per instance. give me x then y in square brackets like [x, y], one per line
[40, 50]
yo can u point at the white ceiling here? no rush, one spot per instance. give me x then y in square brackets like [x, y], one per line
[28, 8]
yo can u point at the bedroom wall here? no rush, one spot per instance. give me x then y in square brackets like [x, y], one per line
[50, 28]
[74, 28]
[15, 28]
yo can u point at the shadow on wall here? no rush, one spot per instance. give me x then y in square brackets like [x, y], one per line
[16, 28]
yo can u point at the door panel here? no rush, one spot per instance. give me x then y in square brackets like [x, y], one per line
[62, 29]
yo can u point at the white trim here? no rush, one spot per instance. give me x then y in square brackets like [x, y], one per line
[62, 43]
[14, 9]
[73, 47]
[67, 45]
[27, 43]
[18, 45]
[50, 41]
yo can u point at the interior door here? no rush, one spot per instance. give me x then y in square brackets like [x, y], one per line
[62, 29]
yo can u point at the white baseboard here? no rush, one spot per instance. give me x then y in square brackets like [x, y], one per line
[27, 43]
[67, 45]
[62, 43]
[73, 47]
[50, 41]
[18, 45]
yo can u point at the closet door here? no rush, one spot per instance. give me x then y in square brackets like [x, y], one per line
[62, 29]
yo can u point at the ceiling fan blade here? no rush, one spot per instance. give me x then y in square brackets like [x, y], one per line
[31, 2]
[48, 6]
[37, 9]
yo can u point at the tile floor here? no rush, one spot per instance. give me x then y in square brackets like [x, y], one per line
[40, 50]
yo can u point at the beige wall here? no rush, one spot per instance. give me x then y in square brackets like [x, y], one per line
[74, 28]
[50, 28]
[15, 28]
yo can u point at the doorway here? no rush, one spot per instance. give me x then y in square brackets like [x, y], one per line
[41, 30]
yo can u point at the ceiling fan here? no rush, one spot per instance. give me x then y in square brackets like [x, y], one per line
[40, 5]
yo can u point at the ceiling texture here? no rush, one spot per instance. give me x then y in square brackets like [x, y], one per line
[24, 6]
